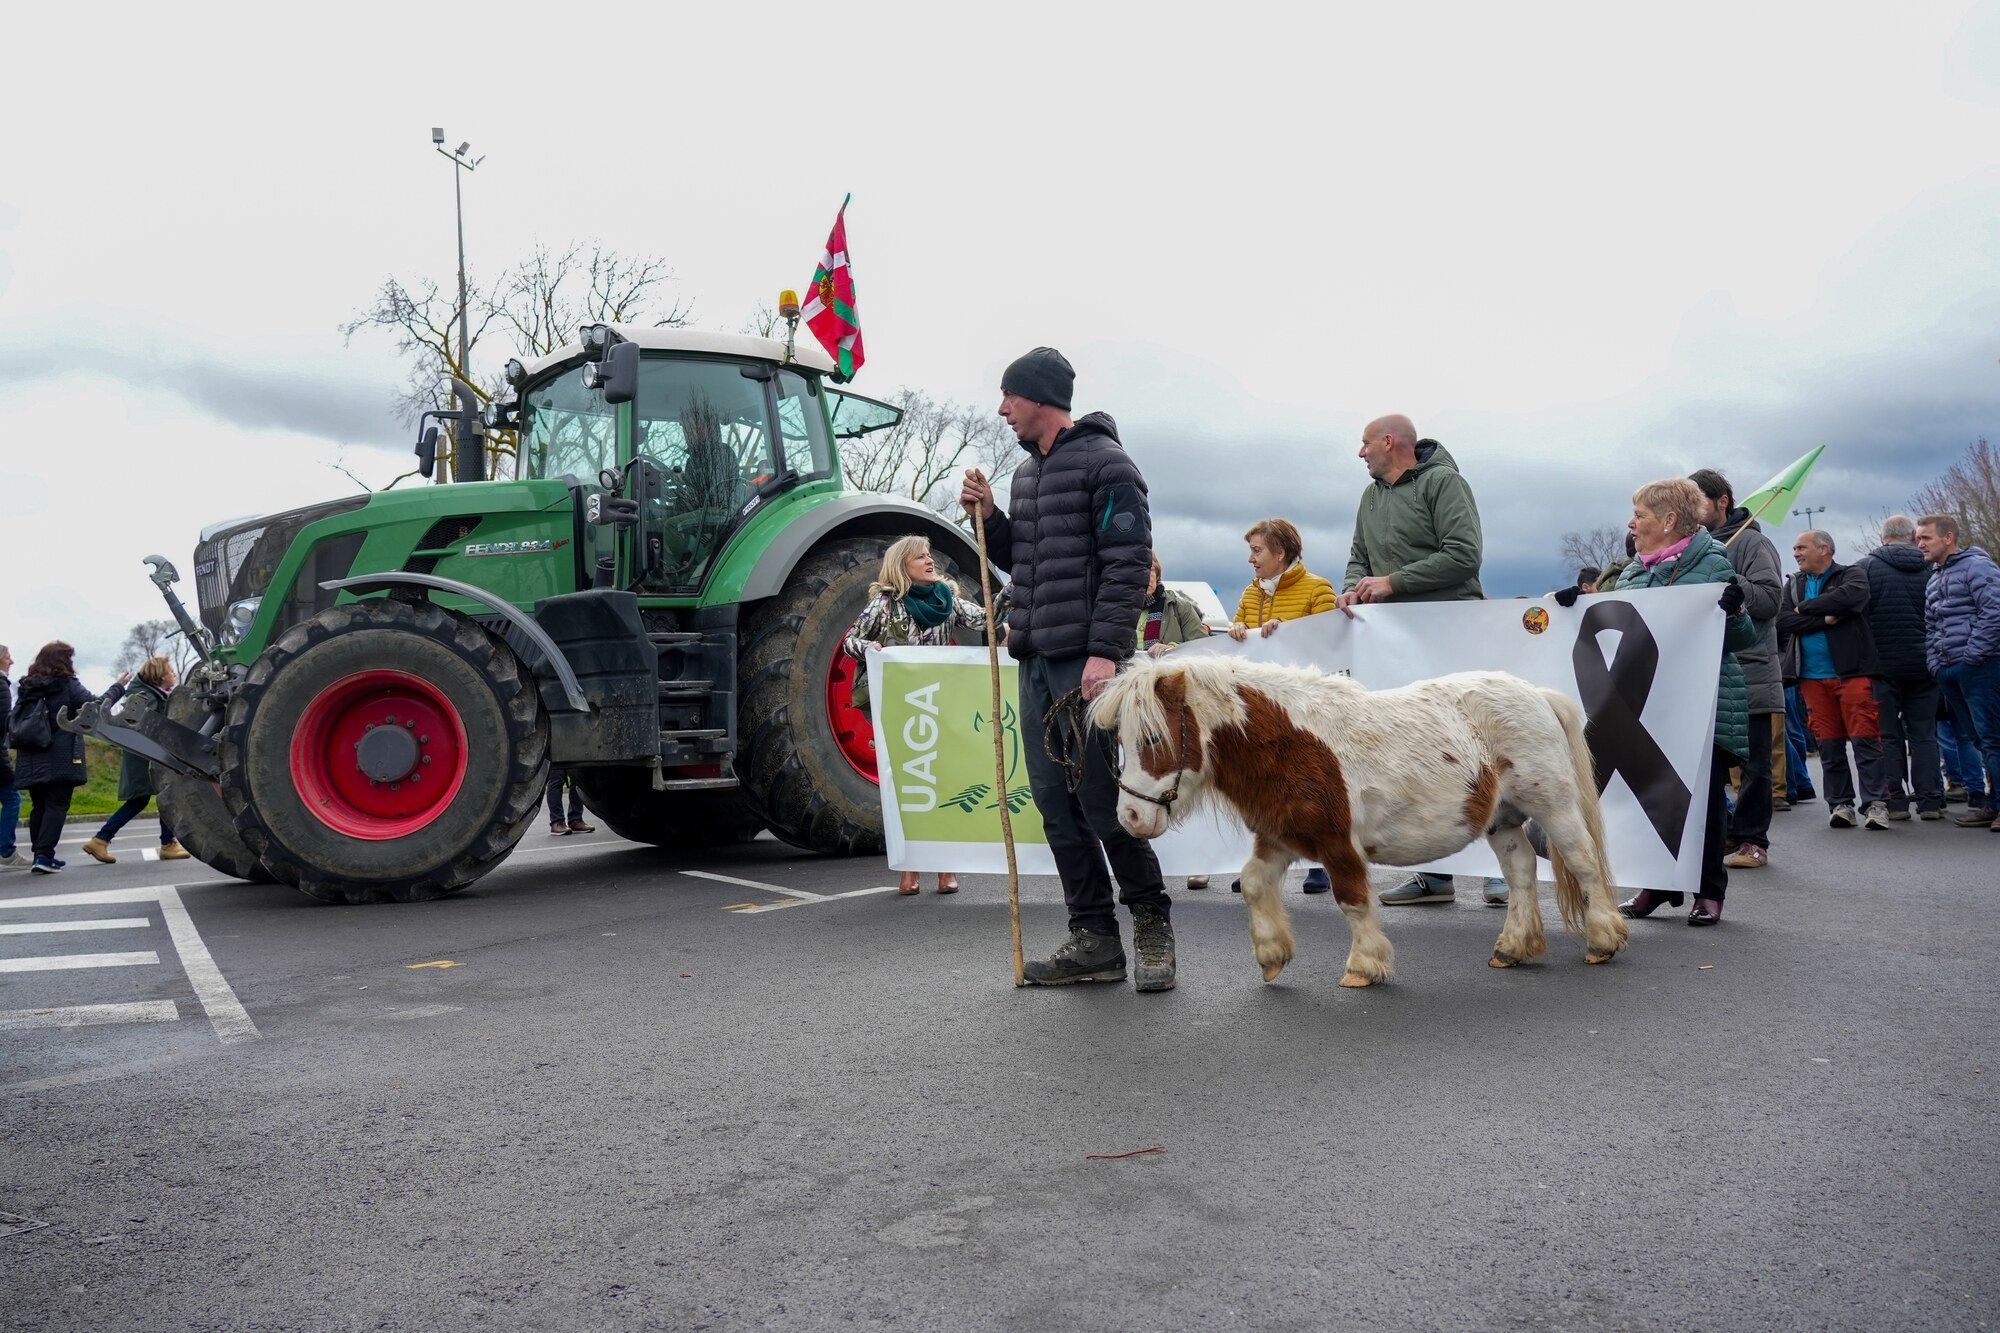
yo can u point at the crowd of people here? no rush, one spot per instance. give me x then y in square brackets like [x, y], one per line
[48, 764]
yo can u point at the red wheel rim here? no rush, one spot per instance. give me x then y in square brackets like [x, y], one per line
[853, 730]
[334, 741]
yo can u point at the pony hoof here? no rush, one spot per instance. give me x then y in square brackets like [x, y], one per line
[1594, 957]
[1357, 980]
[1271, 971]
[1500, 959]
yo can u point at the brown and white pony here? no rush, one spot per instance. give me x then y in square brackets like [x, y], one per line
[1318, 767]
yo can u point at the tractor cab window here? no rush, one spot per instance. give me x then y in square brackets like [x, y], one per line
[808, 451]
[568, 430]
[705, 428]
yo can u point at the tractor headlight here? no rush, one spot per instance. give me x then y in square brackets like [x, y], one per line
[236, 621]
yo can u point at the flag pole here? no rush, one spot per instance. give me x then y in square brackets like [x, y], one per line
[1000, 747]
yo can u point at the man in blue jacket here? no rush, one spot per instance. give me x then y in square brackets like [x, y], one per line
[1962, 647]
[1906, 695]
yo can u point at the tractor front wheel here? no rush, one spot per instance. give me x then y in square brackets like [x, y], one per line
[192, 806]
[384, 751]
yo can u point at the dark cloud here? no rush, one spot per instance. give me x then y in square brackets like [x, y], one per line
[318, 389]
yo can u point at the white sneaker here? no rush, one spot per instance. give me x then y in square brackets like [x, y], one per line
[1842, 817]
[1877, 816]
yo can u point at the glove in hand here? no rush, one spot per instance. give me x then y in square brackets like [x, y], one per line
[1567, 596]
[1731, 600]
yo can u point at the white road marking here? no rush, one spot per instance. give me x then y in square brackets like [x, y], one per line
[49, 927]
[150, 854]
[226, 1013]
[760, 884]
[819, 898]
[422, 1011]
[71, 962]
[90, 1015]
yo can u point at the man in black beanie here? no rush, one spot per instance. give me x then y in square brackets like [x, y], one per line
[1079, 544]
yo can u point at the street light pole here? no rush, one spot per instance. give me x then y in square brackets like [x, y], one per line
[467, 464]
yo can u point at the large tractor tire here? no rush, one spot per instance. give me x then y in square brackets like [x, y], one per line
[805, 754]
[384, 751]
[193, 808]
[624, 799]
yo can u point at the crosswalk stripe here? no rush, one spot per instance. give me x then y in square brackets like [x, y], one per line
[90, 1015]
[51, 927]
[67, 962]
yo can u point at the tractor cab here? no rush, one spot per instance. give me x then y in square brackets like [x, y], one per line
[699, 430]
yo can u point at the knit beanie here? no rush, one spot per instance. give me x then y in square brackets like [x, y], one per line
[1042, 376]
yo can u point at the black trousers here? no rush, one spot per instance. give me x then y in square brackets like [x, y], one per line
[1082, 826]
[1750, 821]
[45, 820]
[1714, 837]
[557, 777]
[1906, 707]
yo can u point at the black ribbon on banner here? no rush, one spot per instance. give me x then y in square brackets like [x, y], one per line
[1614, 696]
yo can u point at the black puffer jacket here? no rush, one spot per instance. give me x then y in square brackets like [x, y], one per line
[62, 763]
[1897, 577]
[6, 715]
[1079, 544]
[1844, 596]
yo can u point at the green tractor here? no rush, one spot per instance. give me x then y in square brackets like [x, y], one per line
[657, 600]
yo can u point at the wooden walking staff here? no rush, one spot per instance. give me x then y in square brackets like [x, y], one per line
[1000, 744]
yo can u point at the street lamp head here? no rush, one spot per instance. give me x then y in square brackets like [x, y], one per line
[437, 135]
[462, 149]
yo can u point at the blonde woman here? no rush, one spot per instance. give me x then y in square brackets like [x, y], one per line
[909, 603]
[135, 779]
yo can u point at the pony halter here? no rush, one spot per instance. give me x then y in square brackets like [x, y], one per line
[1166, 799]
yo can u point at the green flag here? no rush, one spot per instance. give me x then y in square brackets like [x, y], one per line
[1776, 497]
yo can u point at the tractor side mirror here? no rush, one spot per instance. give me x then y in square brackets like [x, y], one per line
[427, 452]
[620, 376]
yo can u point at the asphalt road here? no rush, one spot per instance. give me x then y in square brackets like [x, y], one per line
[626, 1106]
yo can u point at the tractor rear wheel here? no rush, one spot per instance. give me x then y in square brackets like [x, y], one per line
[805, 755]
[625, 800]
[193, 808]
[384, 751]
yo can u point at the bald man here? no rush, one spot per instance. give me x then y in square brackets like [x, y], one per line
[1416, 539]
[1823, 629]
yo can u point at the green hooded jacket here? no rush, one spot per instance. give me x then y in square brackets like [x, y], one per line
[1423, 532]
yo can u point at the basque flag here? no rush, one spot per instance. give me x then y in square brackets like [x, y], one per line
[829, 309]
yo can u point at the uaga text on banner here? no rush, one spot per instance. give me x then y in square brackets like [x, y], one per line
[1643, 665]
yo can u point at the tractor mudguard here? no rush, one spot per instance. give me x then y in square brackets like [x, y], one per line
[573, 699]
[878, 515]
[604, 638]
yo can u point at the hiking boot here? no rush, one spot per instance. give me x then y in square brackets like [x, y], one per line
[1877, 816]
[558, 829]
[1153, 941]
[1493, 892]
[1084, 956]
[1418, 889]
[1748, 856]
[578, 826]
[1843, 816]
[1954, 793]
[1977, 817]
[1930, 815]
[1900, 815]
[1198, 882]
[173, 851]
[1317, 882]
[101, 849]
[1779, 803]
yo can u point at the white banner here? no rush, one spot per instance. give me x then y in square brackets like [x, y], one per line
[1643, 665]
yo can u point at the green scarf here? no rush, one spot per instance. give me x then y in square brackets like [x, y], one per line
[929, 603]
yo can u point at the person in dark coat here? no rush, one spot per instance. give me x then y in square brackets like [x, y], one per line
[1755, 561]
[148, 694]
[1079, 543]
[1906, 697]
[51, 773]
[1824, 633]
[10, 795]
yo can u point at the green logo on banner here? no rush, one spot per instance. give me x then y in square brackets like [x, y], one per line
[937, 720]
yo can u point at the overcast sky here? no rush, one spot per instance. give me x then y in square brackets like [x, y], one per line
[1585, 245]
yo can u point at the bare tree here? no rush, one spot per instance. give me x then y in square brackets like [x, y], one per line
[539, 303]
[923, 455]
[763, 321]
[1969, 490]
[1592, 550]
[155, 638]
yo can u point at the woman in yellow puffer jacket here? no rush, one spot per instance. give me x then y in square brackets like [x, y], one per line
[1281, 588]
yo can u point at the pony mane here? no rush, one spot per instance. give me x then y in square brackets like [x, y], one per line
[1211, 681]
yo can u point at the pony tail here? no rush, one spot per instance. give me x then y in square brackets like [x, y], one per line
[1570, 893]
